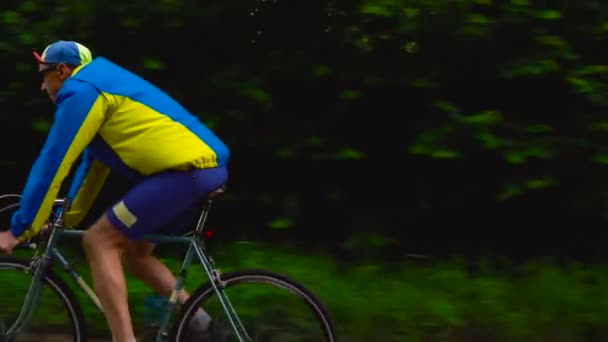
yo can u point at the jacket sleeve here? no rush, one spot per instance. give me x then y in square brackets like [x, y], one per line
[86, 185]
[80, 112]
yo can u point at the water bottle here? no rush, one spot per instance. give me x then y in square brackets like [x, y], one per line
[154, 307]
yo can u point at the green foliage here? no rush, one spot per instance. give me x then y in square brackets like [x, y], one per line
[442, 300]
[517, 188]
[256, 93]
[471, 59]
[281, 223]
[485, 118]
[41, 126]
[153, 64]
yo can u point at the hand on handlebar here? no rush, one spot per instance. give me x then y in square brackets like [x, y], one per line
[8, 242]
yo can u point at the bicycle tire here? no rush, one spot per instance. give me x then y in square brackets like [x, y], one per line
[60, 288]
[232, 279]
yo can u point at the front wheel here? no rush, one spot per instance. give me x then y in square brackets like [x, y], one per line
[271, 307]
[57, 317]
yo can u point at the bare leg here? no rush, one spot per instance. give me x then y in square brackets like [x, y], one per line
[103, 245]
[140, 262]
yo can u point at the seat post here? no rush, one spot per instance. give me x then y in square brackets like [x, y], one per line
[206, 207]
[203, 218]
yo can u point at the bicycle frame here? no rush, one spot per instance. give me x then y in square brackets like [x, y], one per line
[50, 253]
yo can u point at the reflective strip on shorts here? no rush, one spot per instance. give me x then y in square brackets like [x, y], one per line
[124, 215]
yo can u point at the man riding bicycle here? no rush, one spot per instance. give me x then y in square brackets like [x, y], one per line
[113, 120]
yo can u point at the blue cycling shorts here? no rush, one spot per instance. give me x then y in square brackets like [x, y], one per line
[165, 203]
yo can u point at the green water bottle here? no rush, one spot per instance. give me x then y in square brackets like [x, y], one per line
[154, 307]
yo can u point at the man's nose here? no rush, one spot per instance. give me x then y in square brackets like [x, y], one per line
[43, 87]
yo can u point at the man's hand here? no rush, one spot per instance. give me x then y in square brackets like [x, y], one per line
[7, 242]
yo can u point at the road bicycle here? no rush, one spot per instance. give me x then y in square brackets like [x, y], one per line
[286, 311]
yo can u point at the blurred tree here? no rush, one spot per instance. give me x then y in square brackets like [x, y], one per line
[358, 115]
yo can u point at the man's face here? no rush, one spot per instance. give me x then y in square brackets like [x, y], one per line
[53, 76]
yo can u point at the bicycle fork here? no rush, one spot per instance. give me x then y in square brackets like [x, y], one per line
[39, 265]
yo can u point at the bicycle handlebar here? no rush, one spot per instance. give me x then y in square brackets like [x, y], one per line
[60, 202]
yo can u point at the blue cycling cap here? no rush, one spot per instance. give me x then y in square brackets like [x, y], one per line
[67, 52]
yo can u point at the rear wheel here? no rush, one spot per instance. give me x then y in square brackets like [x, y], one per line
[272, 307]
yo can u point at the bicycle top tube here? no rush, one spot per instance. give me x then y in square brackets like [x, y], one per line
[156, 238]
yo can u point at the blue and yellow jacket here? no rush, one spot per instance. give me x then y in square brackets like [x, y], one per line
[116, 121]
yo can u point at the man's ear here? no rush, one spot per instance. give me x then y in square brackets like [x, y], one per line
[63, 70]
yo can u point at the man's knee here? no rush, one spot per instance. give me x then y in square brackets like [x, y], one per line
[89, 239]
[103, 235]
